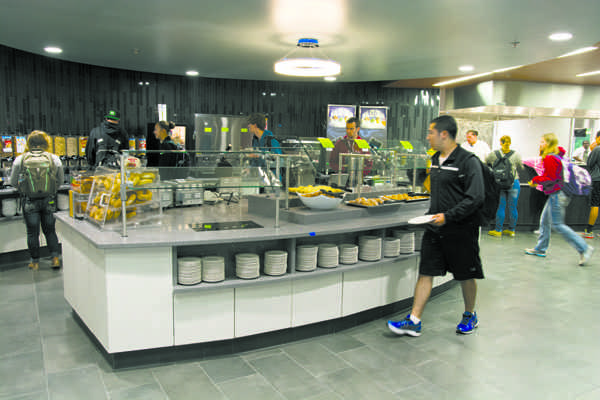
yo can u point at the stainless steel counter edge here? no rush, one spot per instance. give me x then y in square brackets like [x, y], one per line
[174, 229]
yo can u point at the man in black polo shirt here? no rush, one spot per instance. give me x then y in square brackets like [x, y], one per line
[451, 239]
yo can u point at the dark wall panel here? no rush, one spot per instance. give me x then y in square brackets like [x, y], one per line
[61, 97]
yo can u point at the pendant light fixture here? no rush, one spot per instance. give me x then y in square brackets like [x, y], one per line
[306, 63]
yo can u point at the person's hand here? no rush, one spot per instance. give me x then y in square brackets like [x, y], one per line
[438, 219]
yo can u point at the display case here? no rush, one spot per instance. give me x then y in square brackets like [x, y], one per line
[137, 199]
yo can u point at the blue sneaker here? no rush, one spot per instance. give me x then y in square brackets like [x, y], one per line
[405, 327]
[534, 252]
[468, 324]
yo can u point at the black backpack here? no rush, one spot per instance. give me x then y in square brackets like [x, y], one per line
[487, 212]
[503, 170]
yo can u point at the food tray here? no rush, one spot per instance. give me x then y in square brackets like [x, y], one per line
[384, 205]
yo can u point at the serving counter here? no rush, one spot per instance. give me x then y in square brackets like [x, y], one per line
[125, 289]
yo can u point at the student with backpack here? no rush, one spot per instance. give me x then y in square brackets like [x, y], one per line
[37, 174]
[554, 210]
[106, 141]
[504, 164]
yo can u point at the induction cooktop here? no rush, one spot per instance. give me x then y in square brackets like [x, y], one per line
[224, 226]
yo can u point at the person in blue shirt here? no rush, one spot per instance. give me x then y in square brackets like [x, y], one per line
[262, 139]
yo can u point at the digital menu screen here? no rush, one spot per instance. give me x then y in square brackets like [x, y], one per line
[21, 142]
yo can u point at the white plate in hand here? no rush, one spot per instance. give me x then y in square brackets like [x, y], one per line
[422, 219]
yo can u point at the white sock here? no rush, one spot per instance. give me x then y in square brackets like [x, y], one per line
[414, 319]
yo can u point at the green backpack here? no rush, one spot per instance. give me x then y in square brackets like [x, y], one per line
[38, 176]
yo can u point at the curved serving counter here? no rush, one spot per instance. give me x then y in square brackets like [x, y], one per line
[125, 289]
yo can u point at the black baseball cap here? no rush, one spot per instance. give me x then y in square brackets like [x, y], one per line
[113, 114]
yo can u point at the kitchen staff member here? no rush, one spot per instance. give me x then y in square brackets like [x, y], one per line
[162, 130]
[347, 144]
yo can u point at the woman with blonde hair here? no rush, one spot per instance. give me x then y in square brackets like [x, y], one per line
[39, 206]
[554, 210]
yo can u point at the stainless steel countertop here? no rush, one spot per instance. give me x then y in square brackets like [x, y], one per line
[173, 228]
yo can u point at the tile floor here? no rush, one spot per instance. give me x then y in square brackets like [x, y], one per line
[538, 339]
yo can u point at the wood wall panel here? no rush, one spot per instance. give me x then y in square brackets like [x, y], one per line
[60, 97]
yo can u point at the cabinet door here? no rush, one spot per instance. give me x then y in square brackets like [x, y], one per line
[316, 299]
[263, 308]
[399, 278]
[203, 316]
[362, 290]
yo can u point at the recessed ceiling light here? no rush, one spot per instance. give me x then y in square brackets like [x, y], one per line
[191, 73]
[560, 36]
[466, 68]
[53, 49]
[579, 51]
[330, 78]
[589, 73]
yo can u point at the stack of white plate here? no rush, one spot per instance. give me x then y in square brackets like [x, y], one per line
[247, 265]
[306, 257]
[275, 262]
[348, 253]
[213, 269]
[9, 207]
[189, 270]
[391, 247]
[369, 248]
[328, 255]
[407, 241]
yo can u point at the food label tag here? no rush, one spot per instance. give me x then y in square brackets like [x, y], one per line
[326, 143]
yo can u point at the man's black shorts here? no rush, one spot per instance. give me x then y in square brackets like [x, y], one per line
[595, 200]
[453, 250]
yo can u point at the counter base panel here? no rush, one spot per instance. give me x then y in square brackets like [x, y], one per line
[201, 351]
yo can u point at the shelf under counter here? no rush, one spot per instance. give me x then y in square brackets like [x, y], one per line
[234, 282]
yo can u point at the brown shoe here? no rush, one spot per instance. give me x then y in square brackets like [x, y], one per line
[34, 266]
[55, 263]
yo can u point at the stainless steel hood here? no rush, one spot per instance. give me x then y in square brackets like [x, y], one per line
[497, 100]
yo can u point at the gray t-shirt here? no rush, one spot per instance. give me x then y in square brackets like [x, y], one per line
[515, 161]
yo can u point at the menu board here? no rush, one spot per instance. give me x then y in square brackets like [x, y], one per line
[337, 115]
[373, 123]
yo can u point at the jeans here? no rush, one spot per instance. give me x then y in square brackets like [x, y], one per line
[36, 212]
[553, 217]
[512, 197]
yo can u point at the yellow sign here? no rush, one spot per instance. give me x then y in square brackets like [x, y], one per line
[244, 129]
[361, 143]
[207, 129]
[407, 145]
[326, 143]
[224, 129]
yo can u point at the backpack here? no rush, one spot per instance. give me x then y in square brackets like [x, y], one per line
[108, 154]
[576, 181]
[489, 208]
[503, 170]
[38, 177]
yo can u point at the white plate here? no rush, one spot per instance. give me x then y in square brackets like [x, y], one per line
[423, 219]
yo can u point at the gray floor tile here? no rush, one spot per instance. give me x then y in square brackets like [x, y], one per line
[12, 291]
[124, 379]
[64, 325]
[32, 396]
[19, 312]
[22, 374]
[288, 377]
[22, 338]
[352, 385]
[256, 354]
[77, 384]
[388, 372]
[226, 368]
[314, 357]
[252, 387]
[330, 395]
[339, 342]
[66, 352]
[150, 391]
[182, 382]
